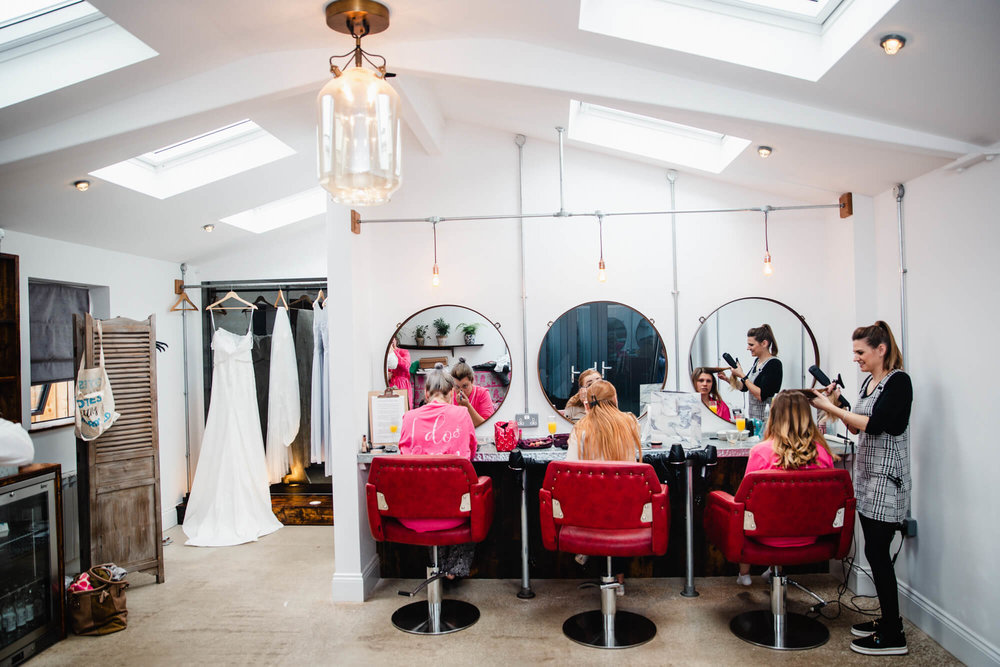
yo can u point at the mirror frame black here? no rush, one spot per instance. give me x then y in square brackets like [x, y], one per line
[496, 325]
[538, 357]
[702, 320]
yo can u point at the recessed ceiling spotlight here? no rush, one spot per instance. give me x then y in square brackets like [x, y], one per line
[82, 186]
[892, 44]
[209, 228]
[764, 151]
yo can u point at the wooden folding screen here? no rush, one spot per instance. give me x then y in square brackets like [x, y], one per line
[119, 472]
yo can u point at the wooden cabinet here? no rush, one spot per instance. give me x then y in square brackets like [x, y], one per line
[10, 339]
[119, 472]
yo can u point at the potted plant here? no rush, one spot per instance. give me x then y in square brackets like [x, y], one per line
[442, 329]
[469, 330]
[419, 333]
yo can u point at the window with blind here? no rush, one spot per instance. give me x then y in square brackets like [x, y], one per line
[51, 307]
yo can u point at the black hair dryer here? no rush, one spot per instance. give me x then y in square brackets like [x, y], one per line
[733, 363]
[824, 380]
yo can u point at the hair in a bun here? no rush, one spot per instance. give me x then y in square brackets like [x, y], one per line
[462, 370]
[438, 382]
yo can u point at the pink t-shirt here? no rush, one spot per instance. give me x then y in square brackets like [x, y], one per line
[480, 400]
[762, 457]
[437, 428]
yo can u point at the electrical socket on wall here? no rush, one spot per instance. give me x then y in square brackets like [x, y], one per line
[527, 420]
[909, 527]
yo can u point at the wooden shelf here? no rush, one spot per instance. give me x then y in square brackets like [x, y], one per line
[451, 348]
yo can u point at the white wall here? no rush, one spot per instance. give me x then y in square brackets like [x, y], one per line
[719, 258]
[951, 239]
[137, 287]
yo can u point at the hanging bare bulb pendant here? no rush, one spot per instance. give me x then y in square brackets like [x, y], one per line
[602, 274]
[767, 264]
[435, 276]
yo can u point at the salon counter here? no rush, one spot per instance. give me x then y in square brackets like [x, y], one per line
[499, 556]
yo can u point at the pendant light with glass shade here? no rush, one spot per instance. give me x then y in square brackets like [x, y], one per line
[359, 138]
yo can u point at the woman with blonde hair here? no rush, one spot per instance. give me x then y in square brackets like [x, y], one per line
[792, 441]
[576, 407]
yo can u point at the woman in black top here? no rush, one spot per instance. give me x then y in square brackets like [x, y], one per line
[881, 418]
[764, 379]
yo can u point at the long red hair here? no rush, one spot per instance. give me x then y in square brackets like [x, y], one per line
[606, 433]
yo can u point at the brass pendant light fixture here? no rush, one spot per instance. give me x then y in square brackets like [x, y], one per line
[359, 137]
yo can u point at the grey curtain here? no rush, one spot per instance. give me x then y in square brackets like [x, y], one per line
[51, 307]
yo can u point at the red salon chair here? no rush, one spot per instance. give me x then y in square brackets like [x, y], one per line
[429, 487]
[799, 503]
[605, 509]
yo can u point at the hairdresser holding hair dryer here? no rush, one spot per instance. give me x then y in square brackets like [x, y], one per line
[881, 418]
[763, 380]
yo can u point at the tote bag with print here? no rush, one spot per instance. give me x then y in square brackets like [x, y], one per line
[95, 405]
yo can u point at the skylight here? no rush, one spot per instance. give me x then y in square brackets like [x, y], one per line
[197, 161]
[46, 45]
[653, 138]
[798, 38]
[281, 212]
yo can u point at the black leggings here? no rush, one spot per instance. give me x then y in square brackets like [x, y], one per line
[878, 537]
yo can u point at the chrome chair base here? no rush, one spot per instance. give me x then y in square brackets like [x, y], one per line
[799, 632]
[454, 615]
[627, 630]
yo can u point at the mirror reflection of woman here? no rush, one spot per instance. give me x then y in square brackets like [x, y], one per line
[704, 383]
[398, 367]
[764, 379]
[438, 427]
[576, 407]
[473, 398]
[881, 418]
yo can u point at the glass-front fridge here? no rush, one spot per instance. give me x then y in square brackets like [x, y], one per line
[30, 573]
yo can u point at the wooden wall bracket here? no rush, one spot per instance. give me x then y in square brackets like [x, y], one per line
[846, 205]
[355, 222]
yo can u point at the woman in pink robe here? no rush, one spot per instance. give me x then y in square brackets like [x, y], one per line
[399, 374]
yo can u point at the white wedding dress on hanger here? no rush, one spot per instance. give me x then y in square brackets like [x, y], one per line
[230, 499]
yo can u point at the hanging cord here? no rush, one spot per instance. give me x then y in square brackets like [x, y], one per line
[434, 227]
[600, 232]
[767, 251]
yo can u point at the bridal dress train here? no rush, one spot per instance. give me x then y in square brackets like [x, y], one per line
[230, 500]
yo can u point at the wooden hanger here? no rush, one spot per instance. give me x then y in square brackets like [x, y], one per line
[303, 300]
[229, 295]
[281, 299]
[320, 298]
[181, 300]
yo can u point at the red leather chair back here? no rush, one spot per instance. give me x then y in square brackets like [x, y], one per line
[795, 503]
[784, 503]
[427, 487]
[588, 506]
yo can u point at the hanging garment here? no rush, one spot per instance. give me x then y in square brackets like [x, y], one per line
[283, 398]
[230, 501]
[260, 354]
[298, 451]
[320, 437]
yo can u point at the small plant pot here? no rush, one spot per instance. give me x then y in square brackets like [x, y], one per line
[470, 339]
[420, 341]
[442, 340]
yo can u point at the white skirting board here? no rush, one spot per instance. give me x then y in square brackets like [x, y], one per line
[356, 587]
[945, 629]
[939, 625]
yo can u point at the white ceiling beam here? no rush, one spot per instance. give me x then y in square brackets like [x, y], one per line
[421, 112]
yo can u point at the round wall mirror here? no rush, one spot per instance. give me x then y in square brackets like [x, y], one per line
[446, 334]
[612, 338]
[725, 330]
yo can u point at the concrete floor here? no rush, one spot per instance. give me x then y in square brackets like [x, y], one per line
[268, 603]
